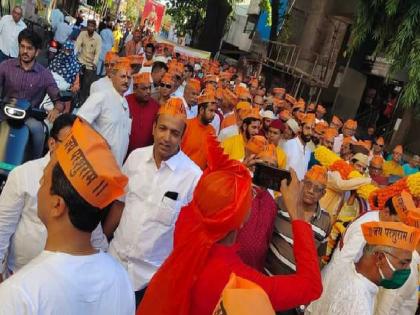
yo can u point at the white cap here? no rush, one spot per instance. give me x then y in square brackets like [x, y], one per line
[293, 125]
[268, 114]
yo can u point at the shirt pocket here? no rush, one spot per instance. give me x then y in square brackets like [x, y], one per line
[167, 212]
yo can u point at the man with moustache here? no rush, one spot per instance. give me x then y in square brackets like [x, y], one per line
[25, 78]
[161, 181]
[297, 149]
[108, 112]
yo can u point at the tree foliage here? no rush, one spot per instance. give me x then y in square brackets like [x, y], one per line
[395, 27]
[188, 15]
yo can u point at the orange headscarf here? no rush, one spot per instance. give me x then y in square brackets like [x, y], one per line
[221, 202]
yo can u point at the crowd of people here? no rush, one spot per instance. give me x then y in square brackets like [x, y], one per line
[145, 201]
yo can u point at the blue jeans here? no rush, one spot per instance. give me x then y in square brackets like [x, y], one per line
[37, 137]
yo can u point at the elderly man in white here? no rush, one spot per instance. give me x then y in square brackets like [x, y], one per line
[10, 27]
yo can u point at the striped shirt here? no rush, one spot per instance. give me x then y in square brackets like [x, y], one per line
[280, 257]
[30, 85]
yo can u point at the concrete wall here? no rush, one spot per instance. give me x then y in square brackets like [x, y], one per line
[349, 94]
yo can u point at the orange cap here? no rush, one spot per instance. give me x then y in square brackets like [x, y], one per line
[142, 78]
[321, 127]
[309, 119]
[253, 83]
[377, 161]
[256, 144]
[174, 107]
[317, 173]
[330, 133]
[285, 114]
[206, 97]
[402, 203]
[135, 59]
[278, 90]
[242, 92]
[167, 78]
[351, 124]
[89, 165]
[243, 297]
[392, 234]
[194, 84]
[243, 105]
[398, 149]
[122, 63]
[290, 99]
[299, 105]
[348, 140]
[250, 113]
[269, 154]
[110, 57]
[413, 218]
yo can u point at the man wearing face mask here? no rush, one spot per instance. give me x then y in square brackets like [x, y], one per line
[384, 262]
[297, 148]
[386, 209]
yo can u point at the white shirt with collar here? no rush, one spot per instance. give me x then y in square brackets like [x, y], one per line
[144, 237]
[9, 31]
[102, 84]
[192, 111]
[109, 114]
[22, 234]
[298, 156]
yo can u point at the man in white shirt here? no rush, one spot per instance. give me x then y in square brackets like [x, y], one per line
[70, 276]
[161, 181]
[10, 27]
[108, 112]
[105, 82]
[351, 250]
[385, 262]
[191, 93]
[22, 234]
[63, 30]
[297, 150]
[349, 130]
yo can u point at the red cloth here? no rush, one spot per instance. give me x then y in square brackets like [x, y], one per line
[143, 116]
[254, 237]
[285, 291]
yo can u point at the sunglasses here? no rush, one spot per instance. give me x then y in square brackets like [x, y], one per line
[379, 145]
[168, 86]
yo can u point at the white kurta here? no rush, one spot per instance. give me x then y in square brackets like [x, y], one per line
[59, 283]
[298, 156]
[144, 237]
[350, 294]
[108, 113]
[22, 234]
[100, 85]
[9, 32]
[228, 132]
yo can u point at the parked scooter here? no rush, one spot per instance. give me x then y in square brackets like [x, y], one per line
[15, 144]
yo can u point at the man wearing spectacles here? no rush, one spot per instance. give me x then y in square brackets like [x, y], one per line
[384, 266]
[10, 27]
[280, 259]
[166, 87]
[350, 250]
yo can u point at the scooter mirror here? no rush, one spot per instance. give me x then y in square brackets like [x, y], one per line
[66, 96]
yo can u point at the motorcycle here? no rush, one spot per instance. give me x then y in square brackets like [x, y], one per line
[15, 148]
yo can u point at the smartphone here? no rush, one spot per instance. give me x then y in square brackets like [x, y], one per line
[270, 177]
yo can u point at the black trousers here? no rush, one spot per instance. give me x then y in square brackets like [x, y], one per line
[86, 80]
[139, 296]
